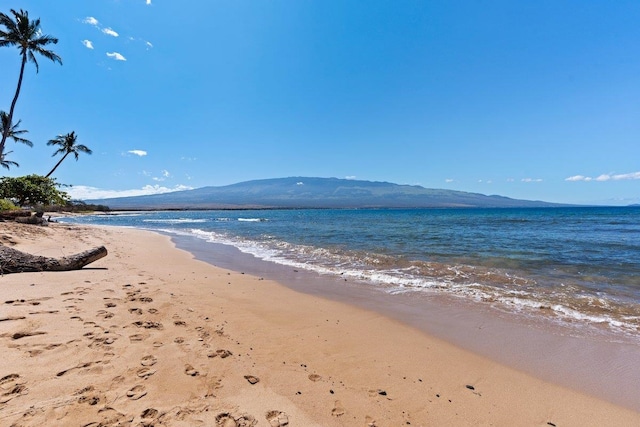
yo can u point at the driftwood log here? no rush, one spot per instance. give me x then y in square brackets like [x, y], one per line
[12, 215]
[14, 261]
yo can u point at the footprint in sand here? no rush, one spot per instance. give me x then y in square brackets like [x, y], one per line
[145, 373]
[227, 420]
[34, 301]
[277, 419]
[147, 324]
[78, 366]
[11, 386]
[135, 311]
[137, 337]
[136, 392]
[190, 370]
[220, 352]
[338, 410]
[5, 319]
[104, 314]
[148, 360]
[315, 377]
[252, 380]
[213, 385]
[149, 416]
[369, 422]
[19, 335]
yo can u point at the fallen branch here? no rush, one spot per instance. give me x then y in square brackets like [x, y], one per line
[14, 261]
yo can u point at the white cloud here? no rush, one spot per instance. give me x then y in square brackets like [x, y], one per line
[140, 153]
[576, 178]
[531, 180]
[149, 45]
[165, 174]
[87, 44]
[90, 20]
[148, 1]
[606, 177]
[448, 180]
[350, 177]
[116, 56]
[83, 192]
[108, 31]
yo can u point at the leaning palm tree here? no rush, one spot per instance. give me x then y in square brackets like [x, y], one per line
[7, 163]
[12, 131]
[28, 38]
[67, 144]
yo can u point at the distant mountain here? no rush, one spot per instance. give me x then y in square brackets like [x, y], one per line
[303, 192]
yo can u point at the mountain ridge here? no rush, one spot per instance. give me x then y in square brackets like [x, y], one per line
[313, 192]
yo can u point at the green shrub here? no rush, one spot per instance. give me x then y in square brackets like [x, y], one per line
[7, 205]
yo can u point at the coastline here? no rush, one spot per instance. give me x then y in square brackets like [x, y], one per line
[601, 364]
[139, 337]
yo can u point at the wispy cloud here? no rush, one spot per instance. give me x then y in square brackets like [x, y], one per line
[531, 180]
[88, 44]
[165, 174]
[350, 177]
[448, 180]
[140, 153]
[83, 192]
[605, 177]
[116, 56]
[108, 31]
[91, 21]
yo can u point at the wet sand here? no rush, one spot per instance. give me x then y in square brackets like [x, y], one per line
[150, 336]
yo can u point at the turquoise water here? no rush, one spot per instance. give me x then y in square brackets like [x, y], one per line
[578, 266]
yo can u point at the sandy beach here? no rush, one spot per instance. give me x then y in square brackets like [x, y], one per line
[149, 336]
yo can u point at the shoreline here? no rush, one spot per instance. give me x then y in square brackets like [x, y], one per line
[550, 351]
[79, 347]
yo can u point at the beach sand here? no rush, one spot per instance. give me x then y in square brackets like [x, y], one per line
[149, 336]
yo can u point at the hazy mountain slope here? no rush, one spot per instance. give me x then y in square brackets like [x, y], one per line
[304, 192]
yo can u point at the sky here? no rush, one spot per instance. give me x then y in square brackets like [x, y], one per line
[536, 100]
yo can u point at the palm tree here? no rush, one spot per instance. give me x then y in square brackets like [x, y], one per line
[68, 146]
[28, 38]
[13, 131]
[7, 163]
[14, 134]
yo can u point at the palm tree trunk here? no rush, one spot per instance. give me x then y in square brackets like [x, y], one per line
[5, 132]
[57, 164]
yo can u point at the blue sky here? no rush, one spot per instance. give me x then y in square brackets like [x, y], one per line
[536, 100]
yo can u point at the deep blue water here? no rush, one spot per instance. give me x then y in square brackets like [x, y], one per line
[576, 265]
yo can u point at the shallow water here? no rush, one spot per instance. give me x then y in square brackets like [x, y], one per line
[576, 266]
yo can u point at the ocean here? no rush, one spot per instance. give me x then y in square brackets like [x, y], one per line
[578, 267]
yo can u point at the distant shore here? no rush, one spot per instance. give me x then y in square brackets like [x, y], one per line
[150, 336]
